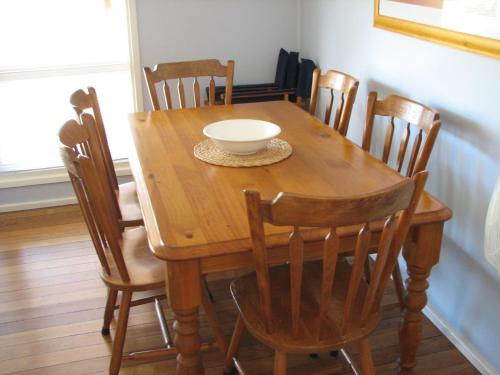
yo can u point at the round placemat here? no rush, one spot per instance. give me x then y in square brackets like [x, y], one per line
[277, 150]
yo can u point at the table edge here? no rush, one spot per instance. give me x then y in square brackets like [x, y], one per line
[180, 253]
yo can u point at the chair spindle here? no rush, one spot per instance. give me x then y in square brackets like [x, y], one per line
[196, 93]
[339, 111]
[403, 146]
[296, 266]
[166, 93]
[388, 140]
[180, 90]
[329, 107]
[331, 249]
[414, 153]
[380, 262]
[260, 255]
[97, 238]
[360, 255]
[211, 91]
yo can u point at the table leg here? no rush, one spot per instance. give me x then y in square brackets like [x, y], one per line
[420, 257]
[185, 299]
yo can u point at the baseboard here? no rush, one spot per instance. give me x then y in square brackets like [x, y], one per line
[21, 206]
[477, 360]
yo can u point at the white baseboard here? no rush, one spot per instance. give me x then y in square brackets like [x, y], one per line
[477, 360]
[20, 206]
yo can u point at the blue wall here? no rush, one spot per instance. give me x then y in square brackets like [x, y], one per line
[464, 166]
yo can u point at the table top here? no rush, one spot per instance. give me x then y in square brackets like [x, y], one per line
[193, 209]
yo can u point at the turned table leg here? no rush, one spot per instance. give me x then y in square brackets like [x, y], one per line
[185, 299]
[420, 255]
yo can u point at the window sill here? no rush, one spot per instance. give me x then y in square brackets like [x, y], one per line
[49, 176]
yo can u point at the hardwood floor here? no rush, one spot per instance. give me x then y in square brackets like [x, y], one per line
[52, 301]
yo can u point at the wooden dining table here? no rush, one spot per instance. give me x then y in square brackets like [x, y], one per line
[195, 214]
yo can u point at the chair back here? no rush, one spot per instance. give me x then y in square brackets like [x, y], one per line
[94, 193]
[425, 119]
[346, 86]
[188, 69]
[83, 102]
[391, 208]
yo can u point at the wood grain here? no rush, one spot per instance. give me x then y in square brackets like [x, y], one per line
[125, 195]
[66, 338]
[195, 213]
[418, 119]
[162, 73]
[337, 83]
[307, 310]
[415, 115]
[193, 209]
[127, 265]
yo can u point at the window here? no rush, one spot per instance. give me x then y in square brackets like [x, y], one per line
[49, 49]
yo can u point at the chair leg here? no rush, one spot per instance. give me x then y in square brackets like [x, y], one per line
[365, 355]
[109, 311]
[212, 318]
[279, 363]
[398, 283]
[121, 330]
[239, 329]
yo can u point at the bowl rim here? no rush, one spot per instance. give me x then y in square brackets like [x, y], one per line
[276, 127]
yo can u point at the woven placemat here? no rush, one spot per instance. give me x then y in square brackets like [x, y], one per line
[277, 150]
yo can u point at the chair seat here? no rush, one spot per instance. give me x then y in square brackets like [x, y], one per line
[129, 203]
[246, 295]
[145, 270]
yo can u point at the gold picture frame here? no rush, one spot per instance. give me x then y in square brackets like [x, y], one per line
[469, 42]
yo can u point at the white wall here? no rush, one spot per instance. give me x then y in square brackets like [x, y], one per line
[249, 32]
[465, 163]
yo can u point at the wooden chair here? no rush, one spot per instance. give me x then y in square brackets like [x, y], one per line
[188, 69]
[427, 123]
[127, 264]
[320, 306]
[346, 86]
[125, 197]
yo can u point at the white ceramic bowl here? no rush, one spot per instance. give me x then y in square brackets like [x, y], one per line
[241, 136]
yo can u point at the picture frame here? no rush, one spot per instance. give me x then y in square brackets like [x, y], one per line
[469, 41]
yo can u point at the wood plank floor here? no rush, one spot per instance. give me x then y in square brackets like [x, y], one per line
[51, 308]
